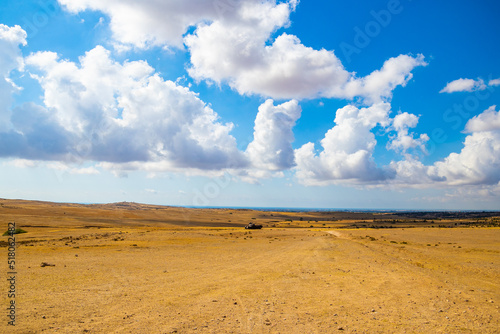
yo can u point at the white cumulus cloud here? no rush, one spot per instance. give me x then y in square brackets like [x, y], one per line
[477, 164]
[147, 23]
[479, 160]
[284, 70]
[404, 140]
[233, 43]
[488, 120]
[347, 149]
[271, 148]
[105, 111]
[240, 54]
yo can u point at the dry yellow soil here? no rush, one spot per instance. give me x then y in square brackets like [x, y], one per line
[114, 273]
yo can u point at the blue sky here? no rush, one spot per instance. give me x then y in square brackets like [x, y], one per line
[323, 104]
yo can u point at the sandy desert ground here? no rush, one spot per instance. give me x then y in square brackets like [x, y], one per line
[129, 268]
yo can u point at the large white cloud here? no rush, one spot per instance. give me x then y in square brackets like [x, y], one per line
[271, 148]
[479, 160]
[233, 43]
[488, 120]
[347, 149]
[101, 110]
[284, 70]
[477, 164]
[239, 53]
[157, 23]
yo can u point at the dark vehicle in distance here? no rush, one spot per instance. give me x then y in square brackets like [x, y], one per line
[252, 226]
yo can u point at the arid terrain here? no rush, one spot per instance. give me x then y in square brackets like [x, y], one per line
[133, 268]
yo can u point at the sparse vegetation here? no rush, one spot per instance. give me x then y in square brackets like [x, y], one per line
[16, 231]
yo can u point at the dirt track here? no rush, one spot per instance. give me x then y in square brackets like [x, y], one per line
[228, 280]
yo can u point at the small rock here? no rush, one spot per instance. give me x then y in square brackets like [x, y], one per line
[45, 264]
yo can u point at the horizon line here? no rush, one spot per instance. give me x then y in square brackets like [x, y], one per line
[264, 208]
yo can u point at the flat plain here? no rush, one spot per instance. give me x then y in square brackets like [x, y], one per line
[134, 268]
